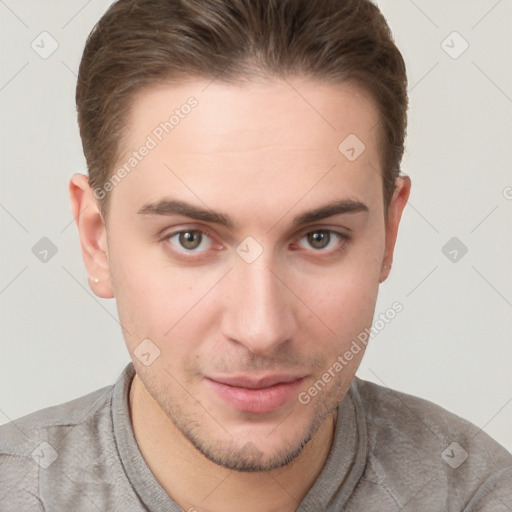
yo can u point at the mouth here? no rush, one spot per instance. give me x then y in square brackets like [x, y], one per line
[256, 395]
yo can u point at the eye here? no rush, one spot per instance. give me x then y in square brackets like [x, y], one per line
[190, 240]
[321, 239]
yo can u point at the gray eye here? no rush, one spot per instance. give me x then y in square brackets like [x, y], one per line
[319, 239]
[190, 240]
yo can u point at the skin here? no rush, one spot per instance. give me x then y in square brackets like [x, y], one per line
[261, 155]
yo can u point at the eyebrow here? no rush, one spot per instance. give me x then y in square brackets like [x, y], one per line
[175, 207]
[341, 207]
[171, 207]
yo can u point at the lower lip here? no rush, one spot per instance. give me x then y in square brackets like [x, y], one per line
[257, 400]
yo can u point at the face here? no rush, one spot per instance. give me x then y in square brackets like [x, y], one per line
[244, 244]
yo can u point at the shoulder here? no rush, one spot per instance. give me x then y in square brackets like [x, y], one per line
[416, 448]
[36, 450]
[70, 448]
[394, 416]
[17, 437]
[47, 438]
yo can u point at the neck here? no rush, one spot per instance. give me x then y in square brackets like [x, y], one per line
[194, 482]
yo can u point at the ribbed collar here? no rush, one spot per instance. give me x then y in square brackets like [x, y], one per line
[330, 492]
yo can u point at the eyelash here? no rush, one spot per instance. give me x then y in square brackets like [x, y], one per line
[342, 240]
[192, 255]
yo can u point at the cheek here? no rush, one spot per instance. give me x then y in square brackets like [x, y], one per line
[142, 291]
[159, 301]
[344, 297]
[345, 303]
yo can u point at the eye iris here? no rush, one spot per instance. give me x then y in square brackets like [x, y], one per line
[319, 239]
[190, 239]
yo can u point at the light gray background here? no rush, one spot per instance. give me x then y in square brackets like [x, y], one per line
[451, 344]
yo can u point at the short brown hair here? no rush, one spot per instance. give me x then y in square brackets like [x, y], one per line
[140, 42]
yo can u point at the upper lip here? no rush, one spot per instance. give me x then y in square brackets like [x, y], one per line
[260, 382]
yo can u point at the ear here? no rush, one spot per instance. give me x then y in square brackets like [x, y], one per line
[93, 235]
[395, 209]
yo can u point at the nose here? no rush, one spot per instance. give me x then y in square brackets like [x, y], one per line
[259, 312]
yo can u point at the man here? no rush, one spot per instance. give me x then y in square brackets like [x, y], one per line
[242, 206]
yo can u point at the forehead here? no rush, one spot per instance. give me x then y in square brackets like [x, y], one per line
[252, 107]
[210, 137]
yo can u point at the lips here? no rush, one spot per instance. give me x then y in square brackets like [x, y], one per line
[243, 381]
[256, 395]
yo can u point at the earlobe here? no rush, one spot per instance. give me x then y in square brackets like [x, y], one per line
[93, 235]
[395, 210]
[384, 272]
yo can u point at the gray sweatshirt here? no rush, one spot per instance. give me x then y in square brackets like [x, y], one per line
[390, 452]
